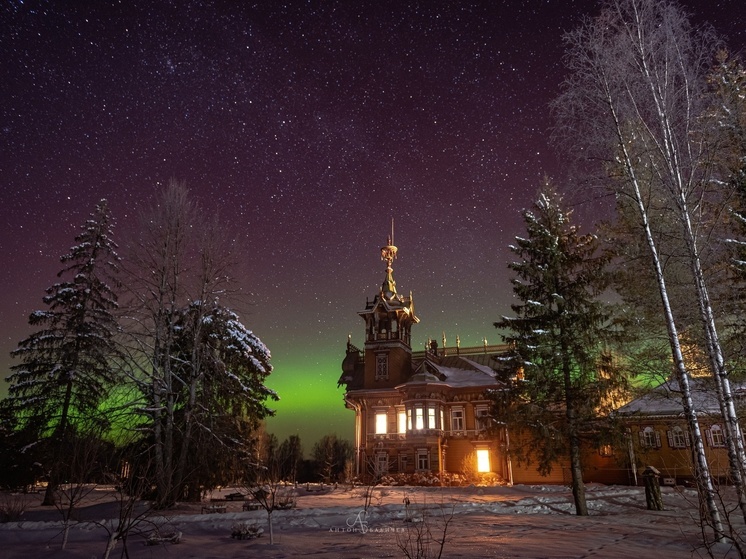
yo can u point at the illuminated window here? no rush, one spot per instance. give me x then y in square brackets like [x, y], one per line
[715, 436]
[402, 422]
[483, 460]
[419, 419]
[457, 419]
[442, 421]
[381, 424]
[409, 420]
[382, 366]
[678, 438]
[431, 418]
[606, 450]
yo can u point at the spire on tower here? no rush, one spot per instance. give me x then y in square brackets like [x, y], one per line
[388, 254]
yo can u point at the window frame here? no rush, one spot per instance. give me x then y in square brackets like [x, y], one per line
[381, 422]
[460, 419]
[382, 366]
[678, 438]
[649, 437]
[423, 460]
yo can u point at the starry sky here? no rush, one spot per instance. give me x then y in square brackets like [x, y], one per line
[308, 125]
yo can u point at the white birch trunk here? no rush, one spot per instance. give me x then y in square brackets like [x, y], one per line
[701, 468]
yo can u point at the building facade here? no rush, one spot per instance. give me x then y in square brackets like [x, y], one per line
[419, 412]
[659, 435]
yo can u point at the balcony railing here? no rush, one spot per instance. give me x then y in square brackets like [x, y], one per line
[460, 434]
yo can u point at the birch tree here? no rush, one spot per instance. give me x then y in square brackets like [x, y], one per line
[632, 103]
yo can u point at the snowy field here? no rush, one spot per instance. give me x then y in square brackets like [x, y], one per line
[502, 522]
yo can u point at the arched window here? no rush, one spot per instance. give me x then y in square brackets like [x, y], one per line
[650, 438]
[678, 438]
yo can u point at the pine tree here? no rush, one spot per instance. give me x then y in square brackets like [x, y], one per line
[557, 335]
[65, 371]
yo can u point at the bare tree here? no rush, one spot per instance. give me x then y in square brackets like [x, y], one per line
[266, 485]
[157, 270]
[133, 513]
[632, 101]
[81, 460]
[426, 530]
[199, 371]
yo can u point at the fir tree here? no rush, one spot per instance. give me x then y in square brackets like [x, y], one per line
[65, 371]
[223, 366]
[557, 336]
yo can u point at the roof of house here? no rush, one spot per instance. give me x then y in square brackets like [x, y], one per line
[666, 399]
[454, 371]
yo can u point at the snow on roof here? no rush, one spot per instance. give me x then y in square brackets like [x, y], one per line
[665, 399]
[468, 374]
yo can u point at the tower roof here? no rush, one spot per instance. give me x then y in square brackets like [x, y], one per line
[388, 299]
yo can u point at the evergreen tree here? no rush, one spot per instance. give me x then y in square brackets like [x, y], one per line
[65, 371]
[222, 366]
[331, 455]
[558, 338]
[291, 452]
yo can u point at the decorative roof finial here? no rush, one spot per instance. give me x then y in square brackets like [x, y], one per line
[388, 254]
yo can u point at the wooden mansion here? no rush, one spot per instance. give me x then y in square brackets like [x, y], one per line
[426, 411]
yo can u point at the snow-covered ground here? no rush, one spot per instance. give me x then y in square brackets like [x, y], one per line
[502, 522]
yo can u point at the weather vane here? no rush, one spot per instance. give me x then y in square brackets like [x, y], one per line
[388, 252]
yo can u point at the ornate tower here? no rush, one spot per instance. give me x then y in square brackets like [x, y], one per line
[388, 322]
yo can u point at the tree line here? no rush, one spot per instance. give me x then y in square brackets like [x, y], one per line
[138, 367]
[651, 117]
[142, 354]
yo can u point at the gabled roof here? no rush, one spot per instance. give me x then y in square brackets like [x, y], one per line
[454, 371]
[665, 399]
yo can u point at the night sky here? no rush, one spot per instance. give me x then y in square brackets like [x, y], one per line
[308, 126]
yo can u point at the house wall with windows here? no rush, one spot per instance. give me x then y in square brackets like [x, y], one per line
[431, 423]
[665, 444]
[658, 434]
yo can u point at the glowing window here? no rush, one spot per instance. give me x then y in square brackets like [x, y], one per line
[483, 460]
[409, 420]
[381, 424]
[431, 418]
[402, 422]
[606, 450]
[419, 419]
